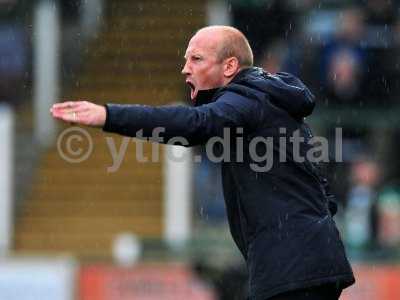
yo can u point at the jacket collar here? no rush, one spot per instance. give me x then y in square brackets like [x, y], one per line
[208, 96]
[244, 73]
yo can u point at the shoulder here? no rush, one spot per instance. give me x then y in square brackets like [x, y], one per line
[238, 97]
[243, 92]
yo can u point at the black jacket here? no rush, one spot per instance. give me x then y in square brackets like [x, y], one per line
[278, 208]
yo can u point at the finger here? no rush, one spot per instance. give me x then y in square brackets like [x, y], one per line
[61, 111]
[66, 105]
[82, 108]
[66, 109]
[82, 117]
[66, 117]
[85, 118]
[63, 117]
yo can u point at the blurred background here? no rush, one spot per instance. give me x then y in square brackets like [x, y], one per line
[76, 226]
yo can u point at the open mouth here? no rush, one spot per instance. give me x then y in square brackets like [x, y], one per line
[192, 89]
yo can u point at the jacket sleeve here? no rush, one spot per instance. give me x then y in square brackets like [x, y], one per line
[195, 124]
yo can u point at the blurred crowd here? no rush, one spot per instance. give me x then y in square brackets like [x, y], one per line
[347, 52]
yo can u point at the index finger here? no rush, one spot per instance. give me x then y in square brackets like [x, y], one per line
[67, 104]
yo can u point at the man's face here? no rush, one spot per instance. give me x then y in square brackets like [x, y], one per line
[202, 69]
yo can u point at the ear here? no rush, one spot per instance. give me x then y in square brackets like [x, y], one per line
[231, 66]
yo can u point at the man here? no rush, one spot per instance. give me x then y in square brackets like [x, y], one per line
[278, 212]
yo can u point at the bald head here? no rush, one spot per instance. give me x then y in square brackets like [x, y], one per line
[230, 43]
[214, 56]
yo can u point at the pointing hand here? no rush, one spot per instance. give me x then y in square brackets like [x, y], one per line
[80, 112]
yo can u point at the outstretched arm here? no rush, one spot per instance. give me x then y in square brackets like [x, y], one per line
[195, 124]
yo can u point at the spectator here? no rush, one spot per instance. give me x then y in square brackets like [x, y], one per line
[343, 60]
[360, 231]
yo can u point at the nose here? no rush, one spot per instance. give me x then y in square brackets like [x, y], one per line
[185, 70]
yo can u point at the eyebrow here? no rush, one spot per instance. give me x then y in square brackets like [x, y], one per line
[192, 54]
